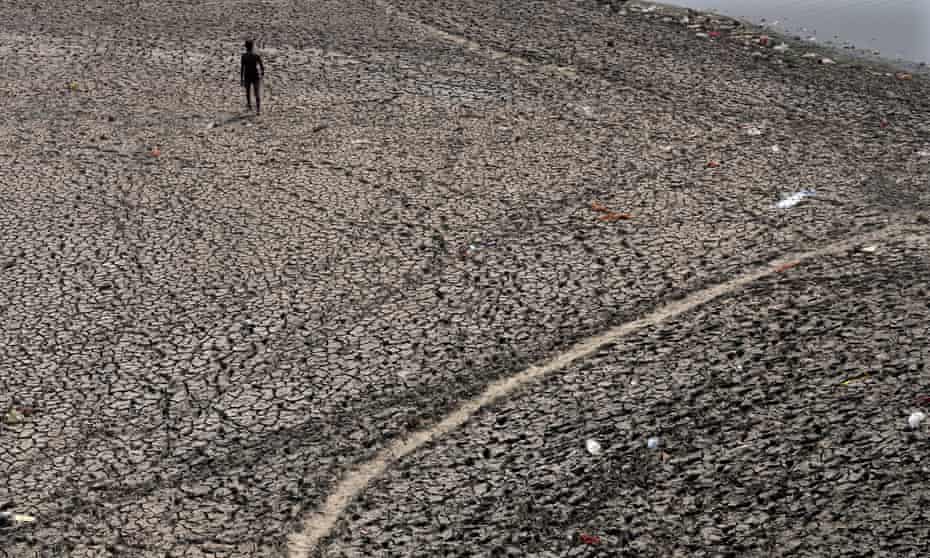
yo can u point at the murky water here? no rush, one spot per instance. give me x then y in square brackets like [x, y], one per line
[895, 29]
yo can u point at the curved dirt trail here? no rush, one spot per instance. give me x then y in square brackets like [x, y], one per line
[318, 525]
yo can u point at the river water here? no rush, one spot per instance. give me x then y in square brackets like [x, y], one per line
[892, 29]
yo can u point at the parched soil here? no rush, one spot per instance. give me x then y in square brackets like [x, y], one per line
[207, 318]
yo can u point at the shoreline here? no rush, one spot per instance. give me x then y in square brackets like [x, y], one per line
[849, 56]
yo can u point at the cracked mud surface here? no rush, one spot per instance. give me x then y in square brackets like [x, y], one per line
[780, 412]
[208, 338]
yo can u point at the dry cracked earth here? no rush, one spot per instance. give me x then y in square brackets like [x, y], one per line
[208, 318]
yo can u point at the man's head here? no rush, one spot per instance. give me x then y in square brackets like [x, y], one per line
[249, 45]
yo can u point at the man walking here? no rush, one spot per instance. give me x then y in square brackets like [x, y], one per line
[251, 72]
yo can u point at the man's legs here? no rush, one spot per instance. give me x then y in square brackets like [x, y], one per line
[248, 95]
[258, 96]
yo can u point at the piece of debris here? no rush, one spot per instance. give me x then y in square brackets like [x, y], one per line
[794, 199]
[915, 419]
[319, 128]
[855, 379]
[713, 164]
[13, 416]
[653, 443]
[904, 76]
[155, 152]
[598, 207]
[780, 48]
[809, 55]
[589, 539]
[8, 518]
[870, 249]
[593, 447]
[776, 149]
[612, 216]
[753, 131]
[827, 61]
[786, 267]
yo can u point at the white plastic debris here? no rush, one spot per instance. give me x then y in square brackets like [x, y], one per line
[827, 61]
[652, 443]
[870, 249]
[794, 199]
[915, 419]
[923, 154]
[780, 48]
[593, 447]
[17, 517]
[809, 55]
[702, 35]
[753, 131]
[685, 20]
[776, 149]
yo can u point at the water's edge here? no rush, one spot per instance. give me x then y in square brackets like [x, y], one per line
[850, 56]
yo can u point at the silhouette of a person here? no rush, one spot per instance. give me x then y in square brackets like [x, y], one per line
[251, 72]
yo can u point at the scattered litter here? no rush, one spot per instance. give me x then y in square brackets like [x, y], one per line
[904, 76]
[714, 34]
[786, 267]
[589, 539]
[764, 40]
[870, 249]
[855, 379]
[155, 152]
[593, 447]
[915, 419]
[753, 131]
[794, 199]
[652, 443]
[73, 86]
[827, 61]
[713, 164]
[809, 55]
[780, 48]
[702, 35]
[776, 149]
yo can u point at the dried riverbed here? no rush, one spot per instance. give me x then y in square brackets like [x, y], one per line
[208, 318]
